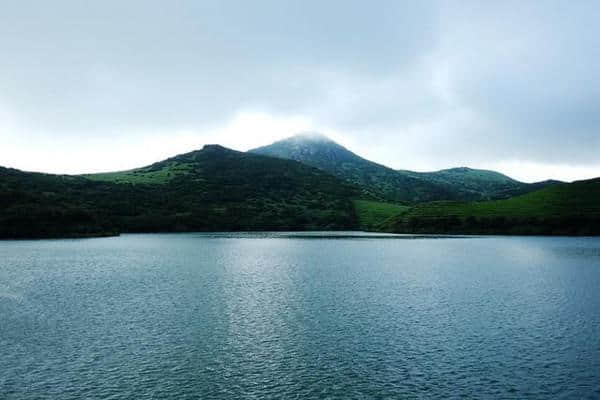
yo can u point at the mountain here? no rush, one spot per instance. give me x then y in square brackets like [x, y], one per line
[563, 209]
[213, 189]
[472, 183]
[375, 179]
[395, 185]
[218, 189]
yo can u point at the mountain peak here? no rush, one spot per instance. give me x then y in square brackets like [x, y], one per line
[310, 137]
[312, 148]
[214, 147]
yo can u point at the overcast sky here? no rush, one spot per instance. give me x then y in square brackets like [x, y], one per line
[106, 85]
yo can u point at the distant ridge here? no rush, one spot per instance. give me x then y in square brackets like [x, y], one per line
[461, 183]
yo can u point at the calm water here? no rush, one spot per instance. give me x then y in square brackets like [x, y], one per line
[281, 316]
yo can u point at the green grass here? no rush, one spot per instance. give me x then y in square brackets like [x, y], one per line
[146, 175]
[371, 214]
[560, 209]
[579, 198]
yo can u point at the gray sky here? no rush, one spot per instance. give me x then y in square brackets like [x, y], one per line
[94, 86]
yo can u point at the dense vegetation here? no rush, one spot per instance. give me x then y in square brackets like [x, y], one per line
[213, 189]
[43, 205]
[396, 186]
[567, 209]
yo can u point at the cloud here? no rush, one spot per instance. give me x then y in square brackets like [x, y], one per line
[419, 85]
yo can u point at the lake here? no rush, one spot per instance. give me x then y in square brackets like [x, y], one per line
[313, 315]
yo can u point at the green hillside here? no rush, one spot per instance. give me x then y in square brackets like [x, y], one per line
[212, 189]
[392, 185]
[560, 209]
[42, 205]
[372, 214]
[375, 179]
[479, 184]
[218, 189]
[152, 174]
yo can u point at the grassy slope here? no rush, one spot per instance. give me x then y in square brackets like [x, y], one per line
[143, 175]
[474, 184]
[371, 214]
[560, 209]
[207, 190]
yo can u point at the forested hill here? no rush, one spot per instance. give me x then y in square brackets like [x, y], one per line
[213, 189]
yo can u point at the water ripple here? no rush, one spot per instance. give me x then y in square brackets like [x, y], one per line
[221, 316]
